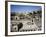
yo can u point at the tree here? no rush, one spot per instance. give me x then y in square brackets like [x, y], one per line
[33, 15]
[30, 14]
[34, 12]
[39, 12]
[13, 14]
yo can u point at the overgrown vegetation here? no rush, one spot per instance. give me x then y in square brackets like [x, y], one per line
[29, 13]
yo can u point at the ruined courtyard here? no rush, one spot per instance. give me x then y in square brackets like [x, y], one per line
[22, 22]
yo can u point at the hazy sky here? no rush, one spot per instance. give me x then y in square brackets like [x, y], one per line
[24, 8]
